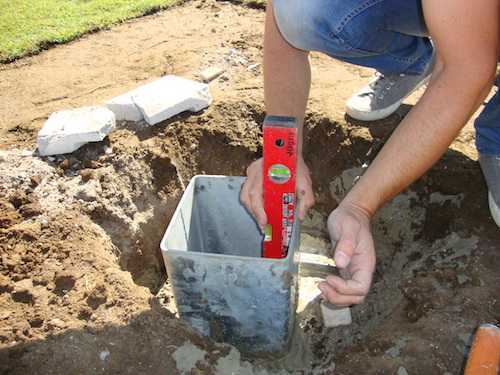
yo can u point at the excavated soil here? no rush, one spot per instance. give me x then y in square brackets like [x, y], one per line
[83, 289]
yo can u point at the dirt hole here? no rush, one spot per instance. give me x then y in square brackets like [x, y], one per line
[432, 240]
[425, 239]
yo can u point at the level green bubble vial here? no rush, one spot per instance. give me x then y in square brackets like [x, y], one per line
[279, 173]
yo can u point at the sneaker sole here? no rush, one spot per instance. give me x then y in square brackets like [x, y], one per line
[373, 115]
[383, 113]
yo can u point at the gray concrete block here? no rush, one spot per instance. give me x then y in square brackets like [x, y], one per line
[334, 316]
[66, 131]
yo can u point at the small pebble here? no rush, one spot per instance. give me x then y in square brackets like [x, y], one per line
[58, 323]
[64, 164]
[104, 355]
[253, 66]
[402, 371]
[44, 223]
[35, 180]
[87, 174]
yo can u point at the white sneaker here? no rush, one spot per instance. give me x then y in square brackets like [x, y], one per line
[490, 164]
[494, 209]
[384, 94]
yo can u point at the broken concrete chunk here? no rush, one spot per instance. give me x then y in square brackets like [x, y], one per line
[124, 107]
[170, 96]
[334, 316]
[210, 73]
[68, 130]
[175, 89]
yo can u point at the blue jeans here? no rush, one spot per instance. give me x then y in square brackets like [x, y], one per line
[387, 35]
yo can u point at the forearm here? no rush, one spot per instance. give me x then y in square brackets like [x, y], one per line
[421, 138]
[287, 76]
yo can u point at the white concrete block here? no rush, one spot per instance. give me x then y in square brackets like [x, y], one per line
[335, 316]
[124, 107]
[170, 96]
[68, 130]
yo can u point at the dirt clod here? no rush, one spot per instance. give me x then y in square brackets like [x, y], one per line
[64, 282]
[19, 198]
[97, 297]
[87, 174]
[30, 210]
[23, 292]
[35, 180]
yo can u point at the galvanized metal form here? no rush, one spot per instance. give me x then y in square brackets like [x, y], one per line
[222, 286]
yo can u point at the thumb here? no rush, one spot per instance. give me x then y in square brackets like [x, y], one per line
[306, 201]
[257, 204]
[259, 212]
[346, 245]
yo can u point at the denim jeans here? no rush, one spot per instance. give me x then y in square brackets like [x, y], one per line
[387, 35]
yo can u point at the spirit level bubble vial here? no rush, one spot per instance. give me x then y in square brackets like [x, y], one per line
[280, 169]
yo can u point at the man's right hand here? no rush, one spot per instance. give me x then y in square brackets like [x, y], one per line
[252, 191]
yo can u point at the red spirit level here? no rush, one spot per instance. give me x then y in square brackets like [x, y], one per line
[280, 166]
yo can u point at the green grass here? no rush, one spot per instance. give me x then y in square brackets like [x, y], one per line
[27, 26]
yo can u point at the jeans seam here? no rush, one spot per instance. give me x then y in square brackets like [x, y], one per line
[355, 12]
[339, 29]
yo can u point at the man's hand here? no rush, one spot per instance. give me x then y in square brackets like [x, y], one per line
[251, 192]
[350, 232]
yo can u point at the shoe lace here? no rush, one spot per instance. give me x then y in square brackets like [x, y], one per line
[382, 83]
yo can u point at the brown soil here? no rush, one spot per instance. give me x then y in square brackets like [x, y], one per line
[82, 284]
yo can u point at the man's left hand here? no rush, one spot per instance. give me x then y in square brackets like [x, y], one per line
[350, 232]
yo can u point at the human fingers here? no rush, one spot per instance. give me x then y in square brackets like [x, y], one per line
[257, 204]
[358, 285]
[251, 190]
[338, 299]
[344, 232]
[305, 198]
